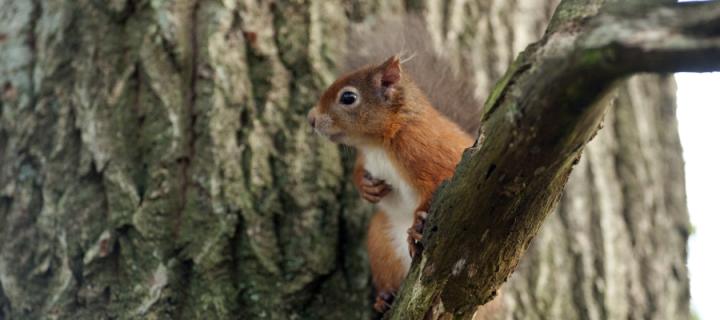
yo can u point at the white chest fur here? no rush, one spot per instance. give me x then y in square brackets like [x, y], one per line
[399, 205]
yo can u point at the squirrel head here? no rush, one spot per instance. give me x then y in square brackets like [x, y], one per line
[363, 107]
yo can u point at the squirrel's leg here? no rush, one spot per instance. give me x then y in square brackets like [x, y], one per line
[388, 270]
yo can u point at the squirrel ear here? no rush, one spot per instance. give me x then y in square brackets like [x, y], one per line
[390, 70]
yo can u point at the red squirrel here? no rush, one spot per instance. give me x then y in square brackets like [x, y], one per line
[405, 149]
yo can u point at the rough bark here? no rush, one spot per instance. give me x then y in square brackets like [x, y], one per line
[154, 163]
[616, 246]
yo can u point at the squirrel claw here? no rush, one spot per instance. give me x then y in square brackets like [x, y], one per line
[383, 301]
[373, 190]
[415, 233]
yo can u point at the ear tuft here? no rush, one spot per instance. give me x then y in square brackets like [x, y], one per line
[390, 70]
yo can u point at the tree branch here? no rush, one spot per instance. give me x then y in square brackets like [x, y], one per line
[684, 37]
[537, 121]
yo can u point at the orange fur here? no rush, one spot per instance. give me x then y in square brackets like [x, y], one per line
[427, 151]
[358, 170]
[387, 270]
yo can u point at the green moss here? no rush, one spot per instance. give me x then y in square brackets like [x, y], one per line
[493, 101]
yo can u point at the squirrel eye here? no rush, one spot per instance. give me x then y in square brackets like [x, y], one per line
[348, 98]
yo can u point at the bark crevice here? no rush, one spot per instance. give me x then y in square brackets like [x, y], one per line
[185, 162]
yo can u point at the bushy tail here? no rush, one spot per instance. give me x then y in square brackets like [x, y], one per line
[449, 91]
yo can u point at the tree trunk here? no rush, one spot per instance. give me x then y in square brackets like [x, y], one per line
[616, 248]
[155, 163]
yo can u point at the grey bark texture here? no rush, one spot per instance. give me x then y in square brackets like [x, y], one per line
[155, 163]
[616, 246]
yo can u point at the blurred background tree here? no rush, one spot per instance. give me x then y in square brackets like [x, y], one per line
[155, 163]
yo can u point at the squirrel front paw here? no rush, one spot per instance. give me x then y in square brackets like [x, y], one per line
[383, 301]
[373, 190]
[415, 233]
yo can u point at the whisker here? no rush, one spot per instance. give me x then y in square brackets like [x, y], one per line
[404, 60]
